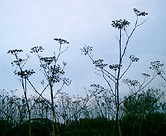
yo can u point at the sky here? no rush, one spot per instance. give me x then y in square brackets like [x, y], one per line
[27, 23]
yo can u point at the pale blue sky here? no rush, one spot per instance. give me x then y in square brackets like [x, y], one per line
[26, 23]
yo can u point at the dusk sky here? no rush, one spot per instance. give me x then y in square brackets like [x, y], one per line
[26, 23]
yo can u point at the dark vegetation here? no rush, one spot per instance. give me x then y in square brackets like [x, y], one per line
[141, 114]
[102, 112]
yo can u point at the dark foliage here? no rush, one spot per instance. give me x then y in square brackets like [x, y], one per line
[40, 127]
[153, 124]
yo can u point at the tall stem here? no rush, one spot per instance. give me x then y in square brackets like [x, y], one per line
[117, 86]
[29, 111]
[54, 124]
[24, 86]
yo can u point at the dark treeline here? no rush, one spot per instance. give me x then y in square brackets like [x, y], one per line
[141, 114]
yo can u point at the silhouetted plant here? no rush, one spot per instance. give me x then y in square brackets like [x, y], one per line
[115, 77]
[24, 74]
[53, 73]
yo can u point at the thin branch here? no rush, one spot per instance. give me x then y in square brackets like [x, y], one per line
[108, 84]
[114, 78]
[149, 82]
[59, 90]
[163, 77]
[104, 70]
[141, 23]
[125, 70]
[40, 94]
[25, 62]
[141, 88]
[45, 72]
[60, 52]
[129, 36]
